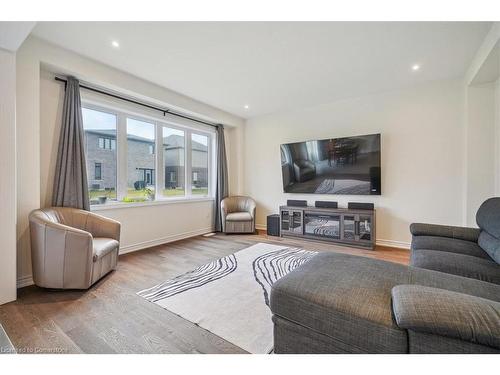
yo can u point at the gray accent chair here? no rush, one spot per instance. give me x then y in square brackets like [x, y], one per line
[238, 214]
[72, 248]
[304, 170]
[468, 252]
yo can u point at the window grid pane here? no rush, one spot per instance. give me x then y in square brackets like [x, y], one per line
[173, 162]
[199, 164]
[141, 174]
[101, 162]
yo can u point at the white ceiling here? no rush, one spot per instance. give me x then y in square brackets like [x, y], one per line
[13, 34]
[274, 66]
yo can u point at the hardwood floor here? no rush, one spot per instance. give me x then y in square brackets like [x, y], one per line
[111, 318]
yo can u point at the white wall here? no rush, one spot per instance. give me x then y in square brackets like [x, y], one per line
[422, 133]
[480, 139]
[7, 173]
[482, 126]
[39, 110]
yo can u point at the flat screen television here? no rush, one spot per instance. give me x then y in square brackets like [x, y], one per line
[349, 166]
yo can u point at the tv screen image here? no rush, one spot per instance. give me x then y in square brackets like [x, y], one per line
[349, 166]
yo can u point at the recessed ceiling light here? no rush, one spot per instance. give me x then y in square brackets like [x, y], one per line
[246, 106]
[115, 44]
[415, 67]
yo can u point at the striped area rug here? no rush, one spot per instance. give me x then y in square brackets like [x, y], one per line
[230, 296]
[6, 346]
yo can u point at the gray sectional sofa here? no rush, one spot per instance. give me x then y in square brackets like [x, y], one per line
[468, 252]
[446, 301]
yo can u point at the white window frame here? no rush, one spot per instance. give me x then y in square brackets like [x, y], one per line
[121, 156]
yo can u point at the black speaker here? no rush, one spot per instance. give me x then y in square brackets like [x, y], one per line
[296, 203]
[273, 225]
[360, 206]
[375, 188]
[326, 204]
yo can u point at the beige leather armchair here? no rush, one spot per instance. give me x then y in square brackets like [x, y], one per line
[71, 248]
[238, 214]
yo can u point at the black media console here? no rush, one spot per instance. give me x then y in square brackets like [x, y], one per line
[352, 227]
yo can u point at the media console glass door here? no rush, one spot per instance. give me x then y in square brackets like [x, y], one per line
[365, 228]
[357, 228]
[291, 222]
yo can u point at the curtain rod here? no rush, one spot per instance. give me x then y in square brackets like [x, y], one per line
[162, 110]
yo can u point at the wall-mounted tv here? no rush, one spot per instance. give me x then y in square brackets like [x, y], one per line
[349, 166]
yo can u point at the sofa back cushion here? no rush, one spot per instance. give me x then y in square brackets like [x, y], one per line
[490, 244]
[488, 216]
[488, 220]
[238, 204]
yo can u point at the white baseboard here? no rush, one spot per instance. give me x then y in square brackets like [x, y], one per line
[379, 242]
[163, 240]
[28, 280]
[24, 281]
[391, 243]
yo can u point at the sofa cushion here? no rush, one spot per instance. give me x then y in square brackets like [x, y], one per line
[239, 216]
[344, 297]
[452, 245]
[454, 283]
[456, 264]
[491, 245]
[103, 246]
[460, 233]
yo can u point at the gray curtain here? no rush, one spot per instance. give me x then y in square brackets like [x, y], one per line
[221, 188]
[70, 181]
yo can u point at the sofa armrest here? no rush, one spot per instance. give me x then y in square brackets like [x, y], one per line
[459, 233]
[445, 313]
[101, 226]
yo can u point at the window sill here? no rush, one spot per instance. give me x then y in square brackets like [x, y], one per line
[158, 202]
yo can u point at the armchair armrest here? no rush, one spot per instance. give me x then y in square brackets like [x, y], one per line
[101, 226]
[459, 233]
[445, 313]
[251, 208]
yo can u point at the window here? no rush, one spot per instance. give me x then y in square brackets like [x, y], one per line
[147, 175]
[107, 143]
[98, 171]
[98, 127]
[173, 161]
[133, 158]
[199, 164]
[140, 161]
